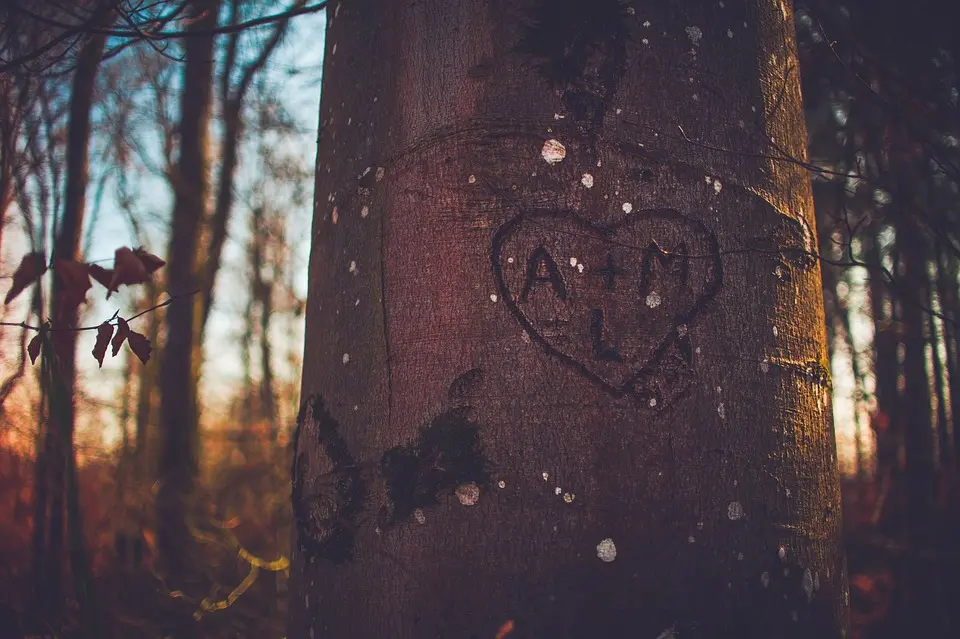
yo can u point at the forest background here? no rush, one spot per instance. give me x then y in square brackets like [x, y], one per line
[881, 98]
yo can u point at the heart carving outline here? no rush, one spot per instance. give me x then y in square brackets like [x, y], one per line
[632, 384]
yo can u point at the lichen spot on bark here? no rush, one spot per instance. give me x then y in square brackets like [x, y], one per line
[606, 550]
[553, 151]
[468, 494]
[734, 510]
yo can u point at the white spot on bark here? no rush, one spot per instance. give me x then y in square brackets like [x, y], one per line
[695, 34]
[335, 215]
[468, 493]
[653, 300]
[553, 151]
[646, 24]
[580, 267]
[346, 358]
[627, 207]
[721, 411]
[607, 550]
[782, 553]
[557, 490]
[717, 185]
[808, 584]
[682, 330]
[764, 366]
[631, 11]
[734, 510]
[776, 333]
[353, 267]
[419, 516]
[493, 297]
[569, 497]
[739, 556]
[472, 179]
[509, 260]
[545, 475]
[502, 484]
[380, 173]
[652, 402]
[364, 211]
[669, 633]
[334, 50]
[729, 33]
[573, 261]
[645, 41]
[765, 579]
[691, 539]
[587, 180]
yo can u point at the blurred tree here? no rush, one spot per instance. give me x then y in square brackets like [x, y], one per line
[180, 366]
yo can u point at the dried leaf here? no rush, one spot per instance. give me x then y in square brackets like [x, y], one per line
[32, 267]
[101, 275]
[123, 331]
[505, 630]
[127, 269]
[74, 282]
[33, 348]
[140, 345]
[104, 333]
[150, 261]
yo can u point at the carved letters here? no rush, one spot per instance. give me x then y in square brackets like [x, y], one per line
[613, 302]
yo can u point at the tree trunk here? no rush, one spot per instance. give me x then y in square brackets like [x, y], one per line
[886, 367]
[947, 290]
[263, 292]
[565, 370]
[181, 356]
[62, 372]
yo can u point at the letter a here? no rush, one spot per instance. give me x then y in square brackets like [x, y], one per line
[541, 261]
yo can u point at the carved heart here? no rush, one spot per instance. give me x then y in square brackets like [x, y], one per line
[612, 302]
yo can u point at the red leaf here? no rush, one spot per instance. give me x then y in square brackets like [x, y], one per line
[140, 346]
[127, 269]
[151, 262]
[104, 333]
[102, 275]
[31, 268]
[74, 282]
[33, 348]
[505, 629]
[122, 332]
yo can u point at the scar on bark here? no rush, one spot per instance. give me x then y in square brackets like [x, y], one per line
[327, 502]
[581, 49]
[447, 453]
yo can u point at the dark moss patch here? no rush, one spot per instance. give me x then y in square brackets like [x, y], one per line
[326, 509]
[581, 49]
[447, 453]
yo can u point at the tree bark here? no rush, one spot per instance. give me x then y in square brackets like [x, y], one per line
[181, 356]
[565, 370]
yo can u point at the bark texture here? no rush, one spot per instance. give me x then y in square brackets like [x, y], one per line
[565, 369]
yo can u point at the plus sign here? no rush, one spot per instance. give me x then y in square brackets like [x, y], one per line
[609, 271]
